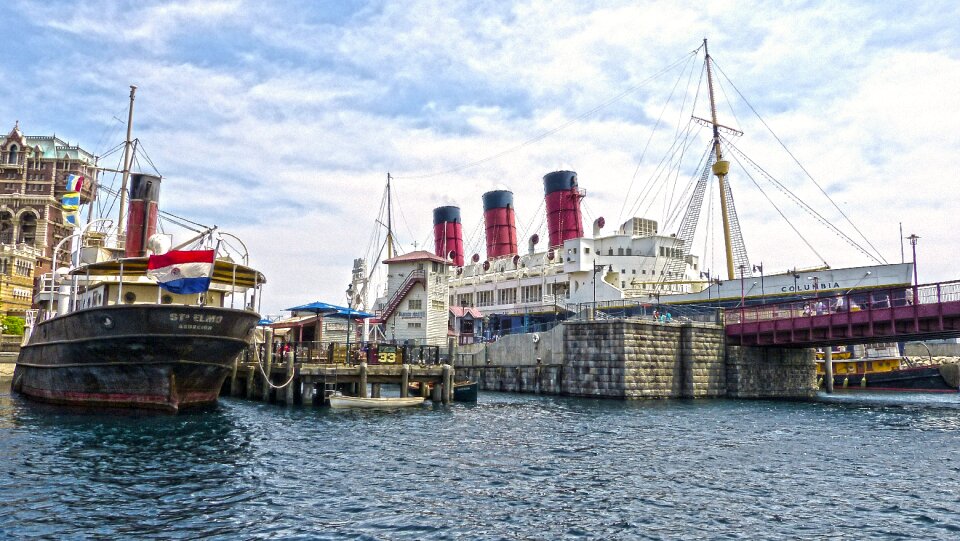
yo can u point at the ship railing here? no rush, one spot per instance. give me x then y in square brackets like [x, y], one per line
[639, 309]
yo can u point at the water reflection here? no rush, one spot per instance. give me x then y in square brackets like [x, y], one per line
[510, 466]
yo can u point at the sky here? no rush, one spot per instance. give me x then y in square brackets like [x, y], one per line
[279, 121]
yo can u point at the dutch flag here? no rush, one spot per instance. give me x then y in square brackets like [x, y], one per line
[182, 272]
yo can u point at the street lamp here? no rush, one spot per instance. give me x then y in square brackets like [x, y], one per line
[349, 305]
[596, 268]
[762, 290]
[913, 244]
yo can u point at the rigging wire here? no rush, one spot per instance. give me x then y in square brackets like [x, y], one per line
[668, 203]
[737, 155]
[796, 199]
[548, 133]
[646, 147]
[879, 256]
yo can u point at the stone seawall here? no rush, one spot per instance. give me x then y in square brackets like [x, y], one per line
[635, 359]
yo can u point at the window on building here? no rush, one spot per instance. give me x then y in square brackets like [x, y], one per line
[507, 296]
[586, 250]
[6, 228]
[28, 229]
[414, 325]
[415, 304]
[12, 157]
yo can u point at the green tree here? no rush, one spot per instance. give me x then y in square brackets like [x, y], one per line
[13, 325]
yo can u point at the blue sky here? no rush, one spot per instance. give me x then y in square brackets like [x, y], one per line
[278, 121]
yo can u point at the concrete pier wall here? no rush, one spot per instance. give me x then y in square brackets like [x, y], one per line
[634, 359]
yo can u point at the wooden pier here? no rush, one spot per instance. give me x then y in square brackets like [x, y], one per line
[291, 382]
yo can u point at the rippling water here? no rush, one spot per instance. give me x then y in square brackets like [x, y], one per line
[510, 467]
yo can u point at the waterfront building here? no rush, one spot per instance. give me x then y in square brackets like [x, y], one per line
[33, 175]
[17, 267]
[415, 309]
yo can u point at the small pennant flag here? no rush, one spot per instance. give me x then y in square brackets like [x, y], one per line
[74, 183]
[182, 272]
[70, 201]
[70, 217]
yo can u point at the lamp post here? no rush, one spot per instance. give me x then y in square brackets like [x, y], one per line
[596, 268]
[913, 245]
[796, 288]
[742, 293]
[349, 305]
[759, 267]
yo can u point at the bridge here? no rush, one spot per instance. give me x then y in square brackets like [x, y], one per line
[924, 312]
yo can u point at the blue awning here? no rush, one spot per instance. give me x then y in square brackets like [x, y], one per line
[331, 310]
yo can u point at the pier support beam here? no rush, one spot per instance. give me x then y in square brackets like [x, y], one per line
[268, 365]
[288, 361]
[362, 387]
[447, 375]
[309, 391]
[828, 370]
[404, 381]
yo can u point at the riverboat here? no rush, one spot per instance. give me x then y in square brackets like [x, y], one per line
[134, 324]
[881, 368]
[463, 391]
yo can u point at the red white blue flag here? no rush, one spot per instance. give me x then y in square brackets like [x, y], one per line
[182, 272]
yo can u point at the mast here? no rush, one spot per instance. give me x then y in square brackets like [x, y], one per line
[720, 168]
[389, 222]
[122, 226]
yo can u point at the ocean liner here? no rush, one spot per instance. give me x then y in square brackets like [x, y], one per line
[636, 264]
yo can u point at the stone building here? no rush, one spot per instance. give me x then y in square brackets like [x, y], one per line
[33, 172]
[17, 265]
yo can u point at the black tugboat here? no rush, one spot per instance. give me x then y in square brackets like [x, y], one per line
[116, 331]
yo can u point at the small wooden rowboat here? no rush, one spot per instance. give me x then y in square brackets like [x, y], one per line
[339, 401]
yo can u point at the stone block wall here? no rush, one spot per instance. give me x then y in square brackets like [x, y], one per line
[644, 359]
[770, 372]
[635, 359]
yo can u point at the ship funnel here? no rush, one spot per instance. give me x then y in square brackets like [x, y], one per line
[448, 234]
[498, 220]
[142, 213]
[563, 206]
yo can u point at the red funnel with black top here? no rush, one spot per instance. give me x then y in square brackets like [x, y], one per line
[563, 206]
[448, 234]
[142, 213]
[499, 222]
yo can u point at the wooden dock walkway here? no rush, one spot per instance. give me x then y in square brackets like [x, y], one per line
[290, 382]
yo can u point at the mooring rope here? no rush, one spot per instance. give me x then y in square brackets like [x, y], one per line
[256, 353]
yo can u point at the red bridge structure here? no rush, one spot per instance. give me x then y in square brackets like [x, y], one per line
[922, 312]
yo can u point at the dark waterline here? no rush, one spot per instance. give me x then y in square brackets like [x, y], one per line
[851, 466]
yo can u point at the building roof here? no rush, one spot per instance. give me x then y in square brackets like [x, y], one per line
[419, 255]
[461, 311]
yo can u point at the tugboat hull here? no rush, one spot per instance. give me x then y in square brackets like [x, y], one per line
[163, 357]
[924, 378]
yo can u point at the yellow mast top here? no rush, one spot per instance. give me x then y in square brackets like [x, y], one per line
[720, 167]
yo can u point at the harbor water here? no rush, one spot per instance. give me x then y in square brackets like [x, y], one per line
[849, 466]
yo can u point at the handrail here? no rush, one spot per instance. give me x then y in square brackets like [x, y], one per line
[394, 302]
[862, 300]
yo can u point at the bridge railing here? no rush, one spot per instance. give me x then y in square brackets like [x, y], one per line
[871, 300]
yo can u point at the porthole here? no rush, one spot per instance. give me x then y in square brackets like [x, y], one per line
[129, 297]
[166, 299]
